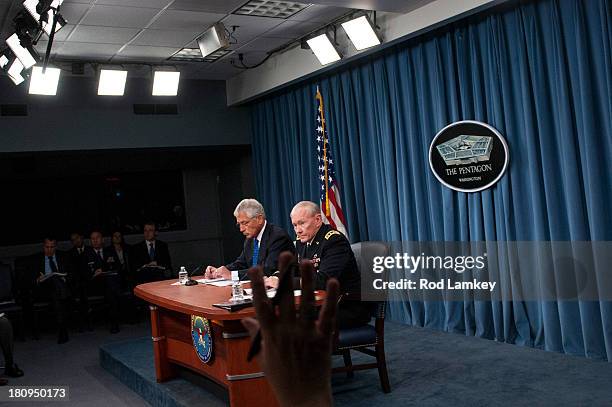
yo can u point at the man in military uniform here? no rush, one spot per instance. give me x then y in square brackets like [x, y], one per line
[331, 255]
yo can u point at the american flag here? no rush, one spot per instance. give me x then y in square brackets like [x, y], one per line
[331, 208]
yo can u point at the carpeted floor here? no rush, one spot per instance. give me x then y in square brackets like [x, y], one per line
[426, 368]
[76, 364]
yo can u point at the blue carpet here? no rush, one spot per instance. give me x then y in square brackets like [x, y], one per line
[426, 368]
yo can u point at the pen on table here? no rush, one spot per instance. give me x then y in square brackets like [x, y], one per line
[282, 282]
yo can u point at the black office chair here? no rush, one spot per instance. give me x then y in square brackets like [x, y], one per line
[368, 339]
[8, 302]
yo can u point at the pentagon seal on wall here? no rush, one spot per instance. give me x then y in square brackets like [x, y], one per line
[468, 156]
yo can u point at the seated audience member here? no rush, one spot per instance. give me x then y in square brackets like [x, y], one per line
[120, 250]
[6, 343]
[105, 277]
[81, 276]
[151, 252]
[330, 253]
[46, 286]
[295, 349]
[262, 244]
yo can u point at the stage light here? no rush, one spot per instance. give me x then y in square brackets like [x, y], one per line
[323, 49]
[361, 33]
[214, 39]
[165, 83]
[24, 55]
[47, 21]
[14, 72]
[44, 83]
[12, 66]
[112, 82]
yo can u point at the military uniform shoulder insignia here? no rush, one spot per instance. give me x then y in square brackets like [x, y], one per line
[331, 233]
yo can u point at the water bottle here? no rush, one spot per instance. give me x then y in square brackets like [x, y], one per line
[183, 276]
[236, 287]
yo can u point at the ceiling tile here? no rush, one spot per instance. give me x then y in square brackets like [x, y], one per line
[60, 35]
[164, 38]
[210, 6]
[41, 48]
[102, 35]
[319, 14]
[87, 51]
[73, 13]
[249, 27]
[263, 44]
[158, 4]
[180, 20]
[116, 16]
[293, 29]
[143, 52]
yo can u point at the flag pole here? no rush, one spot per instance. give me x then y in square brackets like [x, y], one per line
[320, 99]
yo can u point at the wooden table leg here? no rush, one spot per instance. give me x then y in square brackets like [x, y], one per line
[163, 369]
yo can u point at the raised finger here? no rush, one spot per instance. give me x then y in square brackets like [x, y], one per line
[327, 315]
[284, 293]
[263, 307]
[307, 301]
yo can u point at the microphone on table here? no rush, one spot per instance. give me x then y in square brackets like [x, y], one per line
[189, 280]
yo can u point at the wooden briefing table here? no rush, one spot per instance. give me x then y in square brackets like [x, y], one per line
[171, 309]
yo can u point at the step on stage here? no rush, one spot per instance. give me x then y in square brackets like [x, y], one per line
[426, 368]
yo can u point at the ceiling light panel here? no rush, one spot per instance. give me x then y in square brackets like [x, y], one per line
[361, 33]
[112, 82]
[44, 83]
[323, 49]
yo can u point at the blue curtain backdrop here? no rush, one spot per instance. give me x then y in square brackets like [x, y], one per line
[539, 72]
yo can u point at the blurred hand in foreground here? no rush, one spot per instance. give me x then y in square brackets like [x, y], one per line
[296, 349]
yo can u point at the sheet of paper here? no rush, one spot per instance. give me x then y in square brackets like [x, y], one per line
[221, 283]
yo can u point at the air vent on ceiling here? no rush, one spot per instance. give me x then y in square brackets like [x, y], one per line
[159, 108]
[14, 110]
[271, 8]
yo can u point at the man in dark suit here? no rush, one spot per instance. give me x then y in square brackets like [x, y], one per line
[331, 255]
[151, 257]
[47, 275]
[80, 279]
[264, 242]
[105, 276]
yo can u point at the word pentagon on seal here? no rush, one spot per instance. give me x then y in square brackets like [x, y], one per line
[468, 156]
[202, 338]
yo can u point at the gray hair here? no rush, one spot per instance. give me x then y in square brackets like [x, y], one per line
[312, 208]
[251, 207]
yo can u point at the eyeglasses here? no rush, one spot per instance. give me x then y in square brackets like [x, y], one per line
[245, 222]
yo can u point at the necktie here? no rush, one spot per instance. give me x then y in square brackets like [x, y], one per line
[151, 251]
[255, 252]
[100, 254]
[52, 265]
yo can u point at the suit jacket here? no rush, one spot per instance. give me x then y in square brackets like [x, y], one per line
[124, 268]
[62, 261]
[78, 264]
[274, 241]
[94, 262]
[140, 255]
[332, 256]
[33, 266]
